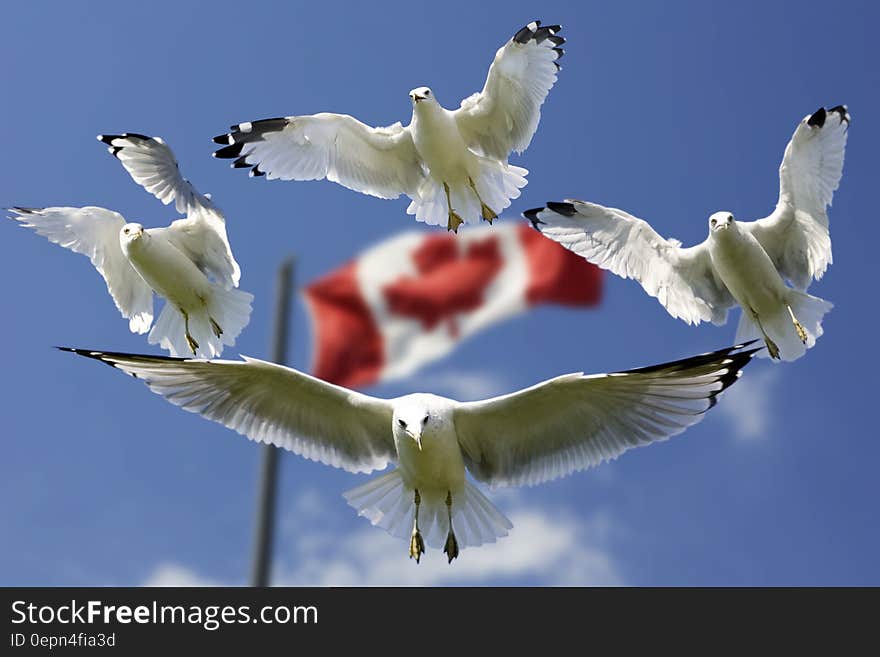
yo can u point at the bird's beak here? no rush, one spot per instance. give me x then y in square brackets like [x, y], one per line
[416, 98]
[416, 437]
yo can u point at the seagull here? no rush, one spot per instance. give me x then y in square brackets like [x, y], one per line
[189, 263]
[544, 432]
[740, 263]
[451, 163]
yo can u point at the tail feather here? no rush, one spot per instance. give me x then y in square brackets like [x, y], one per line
[388, 503]
[230, 310]
[497, 183]
[809, 311]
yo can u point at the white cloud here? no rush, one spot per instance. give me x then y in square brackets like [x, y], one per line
[464, 385]
[554, 547]
[172, 574]
[747, 405]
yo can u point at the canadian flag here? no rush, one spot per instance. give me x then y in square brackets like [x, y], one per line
[412, 298]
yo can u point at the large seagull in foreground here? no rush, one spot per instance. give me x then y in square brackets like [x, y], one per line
[550, 430]
[451, 163]
[740, 262]
[189, 263]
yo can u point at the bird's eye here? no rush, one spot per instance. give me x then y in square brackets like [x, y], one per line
[425, 420]
[402, 423]
[713, 222]
[427, 92]
[730, 217]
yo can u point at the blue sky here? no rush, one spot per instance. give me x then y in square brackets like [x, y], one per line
[670, 110]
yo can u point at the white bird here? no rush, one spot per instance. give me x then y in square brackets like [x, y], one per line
[451, 163]
[201, 314]
[550, 430]
[740, 263]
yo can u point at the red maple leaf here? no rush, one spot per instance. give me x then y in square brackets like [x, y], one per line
[449, 282]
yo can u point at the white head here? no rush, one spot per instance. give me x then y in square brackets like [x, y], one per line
[721, 221]
[415, 417]
[422, 95]
[130, 233]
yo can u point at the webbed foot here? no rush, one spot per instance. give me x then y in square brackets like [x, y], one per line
[416, 545]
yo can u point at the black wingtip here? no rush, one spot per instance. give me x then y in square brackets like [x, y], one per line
[229, 152]
[532, 216]
[817, 120]
[525, 33]
[221, 139]
[842, 111]
[565, 209]
[88, 353]
[22, 210]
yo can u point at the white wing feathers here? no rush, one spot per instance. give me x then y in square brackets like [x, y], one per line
[504, 116]
[202, 235]
[378, 161]
[272, 404]
[152, 165]
[574, 422]
[683, 280]
[796, 235]
[94, 232]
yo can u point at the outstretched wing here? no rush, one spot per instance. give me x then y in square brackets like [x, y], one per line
[574, 422]
[504, 116]
[796, 235]
[378, 161]
[94, 232]
[272, 404]
[202, 235]
[683, 280]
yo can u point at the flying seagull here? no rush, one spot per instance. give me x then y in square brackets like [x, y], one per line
[550, 430]
[189, 263]
[740, 263]
[451, 163]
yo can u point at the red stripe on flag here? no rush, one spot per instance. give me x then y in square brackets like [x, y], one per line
[557, 275]
[348, 345]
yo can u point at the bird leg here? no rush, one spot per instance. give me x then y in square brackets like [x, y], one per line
[454, 220]
[772, 349]
[215, 327]
[451, 547]
[193, 345]
[487, 212]
[801, 331]
[416, 544]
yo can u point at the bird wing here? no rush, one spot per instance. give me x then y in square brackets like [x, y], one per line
[378, 161]
[94, 232]
[683, 280]
[202, 235]
[574, 422]
[272, 404]
[504, 116]
[796, 235]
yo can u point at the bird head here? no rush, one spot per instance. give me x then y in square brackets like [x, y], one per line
[411, 421]
[130, 233]
[721, 221]
[421, 94]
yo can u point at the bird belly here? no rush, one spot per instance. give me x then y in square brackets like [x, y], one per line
[437, 468]
[747, 271]
[439, 144]
[170, 273]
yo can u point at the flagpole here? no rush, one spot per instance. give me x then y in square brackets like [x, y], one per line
[265, 526]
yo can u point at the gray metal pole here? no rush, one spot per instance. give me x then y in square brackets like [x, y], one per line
[264, 530]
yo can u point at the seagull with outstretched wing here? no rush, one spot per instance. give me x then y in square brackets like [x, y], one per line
[740, 263]
[452, 164]
[551, 430]
[189, 262]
